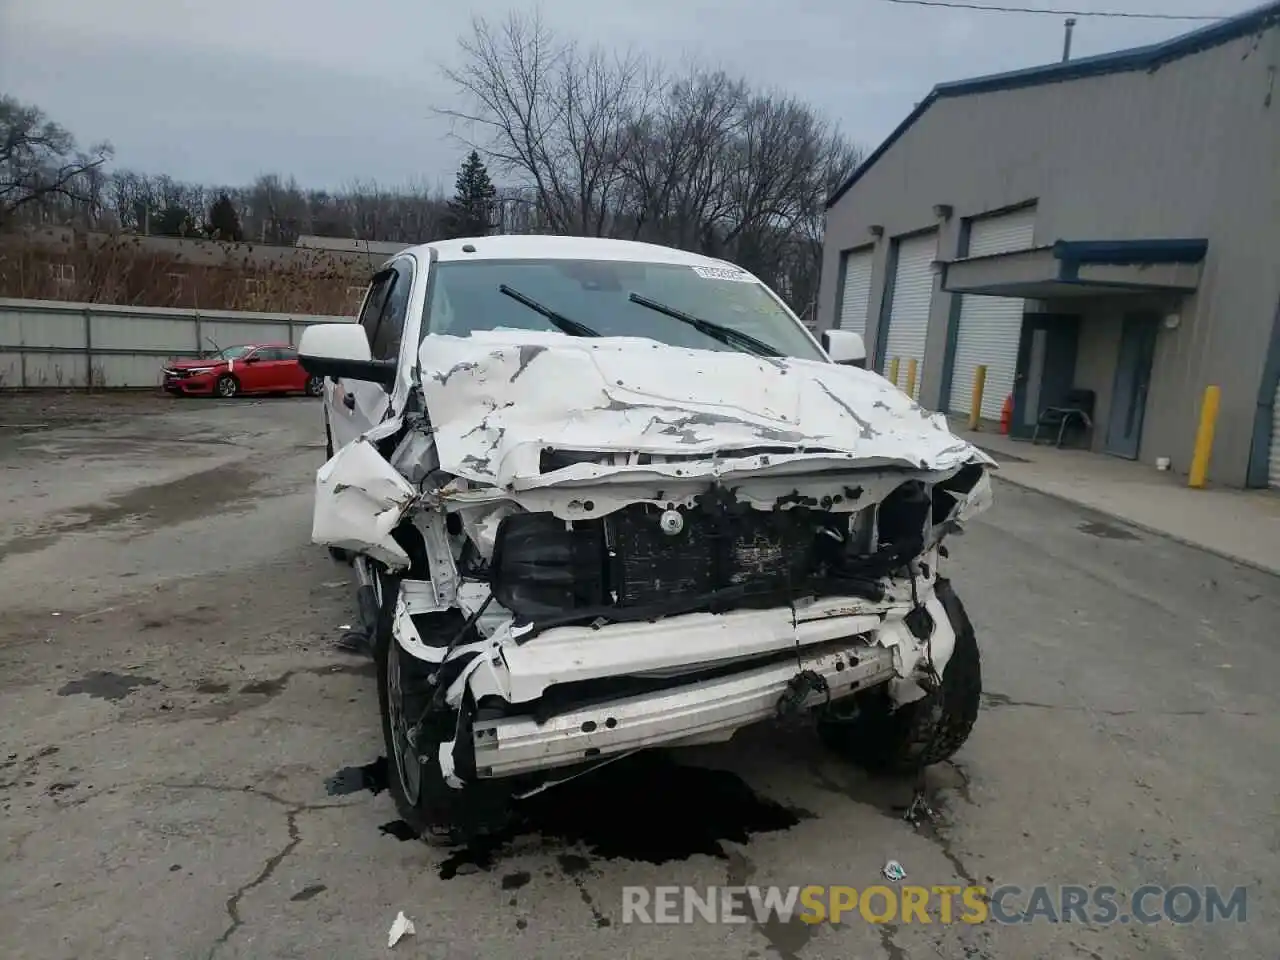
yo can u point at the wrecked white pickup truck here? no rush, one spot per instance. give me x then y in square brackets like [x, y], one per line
[603, 496]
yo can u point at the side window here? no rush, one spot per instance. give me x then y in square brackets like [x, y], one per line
[277, 353]
[372, 312]
[286, 353]
[385, 344]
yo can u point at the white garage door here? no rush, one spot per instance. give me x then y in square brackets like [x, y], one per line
[856, 293]
[909, 312]
[989, 327]
[1273, 461]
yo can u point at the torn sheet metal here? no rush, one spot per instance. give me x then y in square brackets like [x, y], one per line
[498, 399]
[415, 456]
[965, 507]
[360, 499]
[976, 501]
[838, 492]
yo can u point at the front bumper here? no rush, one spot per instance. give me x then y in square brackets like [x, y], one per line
[701, 712]
[199, 384]
[754, 656]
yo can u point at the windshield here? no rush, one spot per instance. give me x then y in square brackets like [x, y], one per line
[234, 353]
[597, 294]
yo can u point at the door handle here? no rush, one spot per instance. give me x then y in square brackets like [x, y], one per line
[349, 401]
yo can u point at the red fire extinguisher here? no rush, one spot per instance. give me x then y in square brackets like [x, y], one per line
[1006, 414]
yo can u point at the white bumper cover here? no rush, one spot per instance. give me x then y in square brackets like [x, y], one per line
[702, 712]
[851, 644]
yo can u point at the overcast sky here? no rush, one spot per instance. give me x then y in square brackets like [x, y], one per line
[332, 90]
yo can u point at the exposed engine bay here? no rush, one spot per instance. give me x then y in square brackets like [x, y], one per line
[589, 547]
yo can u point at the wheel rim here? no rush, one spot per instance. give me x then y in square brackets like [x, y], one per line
[407, 766]
[227, 387]
[313, 386]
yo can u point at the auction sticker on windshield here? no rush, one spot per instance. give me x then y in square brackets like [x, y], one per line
[723, 273]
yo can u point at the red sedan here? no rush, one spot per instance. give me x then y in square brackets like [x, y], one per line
[248, 368]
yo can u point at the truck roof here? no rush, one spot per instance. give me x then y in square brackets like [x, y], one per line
[542, 247]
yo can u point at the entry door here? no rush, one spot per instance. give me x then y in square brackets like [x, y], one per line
[1046, 367]
[1132, 383]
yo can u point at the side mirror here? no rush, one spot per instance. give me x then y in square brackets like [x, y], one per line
[341, 351]
[845, 347]
[253, 359]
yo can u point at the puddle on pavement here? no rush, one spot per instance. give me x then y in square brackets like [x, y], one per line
[268, 688]
[652, 809]
[104, 685]
[274, 686]
[148, 508]
[1106, 531]
[400, 830]
[645, 808]
[514, 881]
[371, 777]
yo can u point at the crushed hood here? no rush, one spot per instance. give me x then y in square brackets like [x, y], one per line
[497, 399]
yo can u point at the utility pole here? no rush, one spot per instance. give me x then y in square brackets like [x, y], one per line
[1070, 25]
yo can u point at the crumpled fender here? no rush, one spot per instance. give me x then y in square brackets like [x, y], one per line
[360, 499]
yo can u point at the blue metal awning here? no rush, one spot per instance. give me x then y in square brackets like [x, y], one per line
[1075, 268]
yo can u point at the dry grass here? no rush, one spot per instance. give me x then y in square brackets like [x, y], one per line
[121, 271]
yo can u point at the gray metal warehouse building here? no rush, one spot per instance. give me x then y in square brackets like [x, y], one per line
[1108, 226]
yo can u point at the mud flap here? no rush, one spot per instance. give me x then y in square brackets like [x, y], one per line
[360, 499]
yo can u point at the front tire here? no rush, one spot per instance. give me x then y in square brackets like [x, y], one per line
[227, 386]
[437, 812]
[927, 731]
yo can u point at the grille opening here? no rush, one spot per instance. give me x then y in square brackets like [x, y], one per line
[552, 459]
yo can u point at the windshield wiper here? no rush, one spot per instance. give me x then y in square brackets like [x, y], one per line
[572, 327]
[716, 331]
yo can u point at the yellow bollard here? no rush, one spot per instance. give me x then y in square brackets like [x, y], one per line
[911, 378]
[1204, 437]
[893, 371]
[975, 402]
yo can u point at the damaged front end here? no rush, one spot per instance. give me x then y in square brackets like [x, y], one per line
[563, 605]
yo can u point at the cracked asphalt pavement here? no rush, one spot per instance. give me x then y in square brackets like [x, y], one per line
[188, 769]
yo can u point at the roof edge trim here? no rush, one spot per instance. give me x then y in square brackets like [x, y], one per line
[1122, 61]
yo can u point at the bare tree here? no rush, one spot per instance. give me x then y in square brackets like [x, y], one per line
[278, 211]
[616, 146]
[509, 75]
[41, 168]
[674, 162]
[557, 116]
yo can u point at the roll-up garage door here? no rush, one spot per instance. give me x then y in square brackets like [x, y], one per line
[856, 293]
[989, 327]
[1273, 461]
[909, 312]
